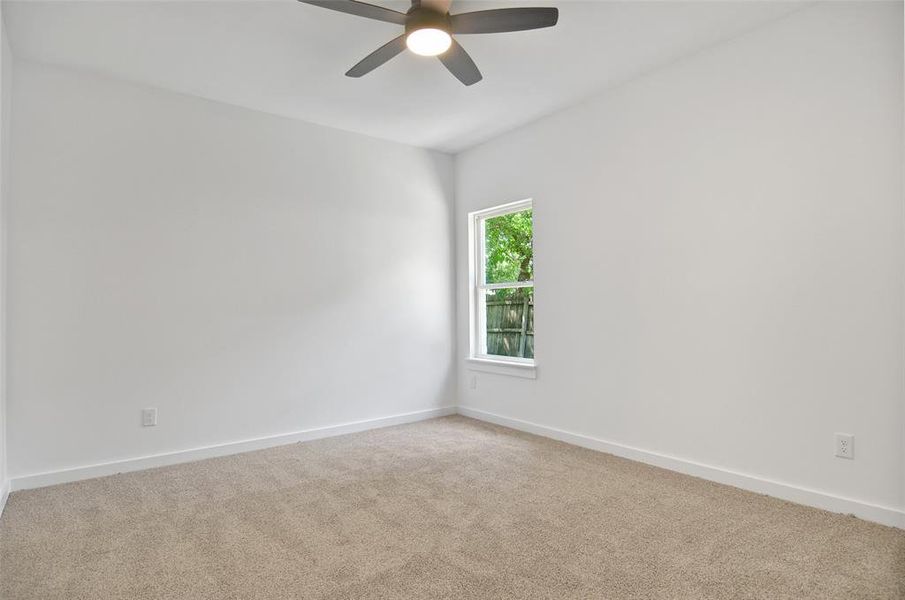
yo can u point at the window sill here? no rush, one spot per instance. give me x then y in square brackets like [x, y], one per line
[502, 367]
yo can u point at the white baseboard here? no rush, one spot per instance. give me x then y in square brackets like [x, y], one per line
[4, 494]
[181, 456]
[793, 493]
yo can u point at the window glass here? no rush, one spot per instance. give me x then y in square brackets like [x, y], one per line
[508, 252]
[509, 322]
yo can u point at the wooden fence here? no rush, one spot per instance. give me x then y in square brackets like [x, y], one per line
[510, 327]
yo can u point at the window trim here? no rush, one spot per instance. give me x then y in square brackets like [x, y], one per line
[476, 359]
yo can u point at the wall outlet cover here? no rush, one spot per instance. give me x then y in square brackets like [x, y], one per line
[845, 445]
[148, 417]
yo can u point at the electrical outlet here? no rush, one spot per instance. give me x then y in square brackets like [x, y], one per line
[845, 445]
[148, 417]
[473, 382]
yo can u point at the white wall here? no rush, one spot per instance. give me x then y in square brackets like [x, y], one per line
[247, 275]
[6, 78]
[719, 256]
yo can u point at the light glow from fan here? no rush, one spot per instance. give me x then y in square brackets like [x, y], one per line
[428, 41]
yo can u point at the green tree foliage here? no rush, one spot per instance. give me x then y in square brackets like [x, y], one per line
[510, 256]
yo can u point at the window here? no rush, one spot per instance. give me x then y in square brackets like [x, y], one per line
[502, 284]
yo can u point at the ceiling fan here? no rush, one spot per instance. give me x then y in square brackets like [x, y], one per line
[429, 29]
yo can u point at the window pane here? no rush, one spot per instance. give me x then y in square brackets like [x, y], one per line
[508, 248]
[509, 322]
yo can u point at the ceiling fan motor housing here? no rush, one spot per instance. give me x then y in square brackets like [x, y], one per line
[422, 18]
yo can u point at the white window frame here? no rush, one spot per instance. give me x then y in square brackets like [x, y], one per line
[478, 359]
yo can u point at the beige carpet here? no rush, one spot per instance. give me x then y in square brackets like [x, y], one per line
[449, 508]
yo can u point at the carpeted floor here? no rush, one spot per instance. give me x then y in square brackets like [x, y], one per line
[449, 508]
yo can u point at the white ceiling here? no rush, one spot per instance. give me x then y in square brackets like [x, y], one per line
[287, 58]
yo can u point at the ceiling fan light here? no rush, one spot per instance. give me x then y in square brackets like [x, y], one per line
[428, 41]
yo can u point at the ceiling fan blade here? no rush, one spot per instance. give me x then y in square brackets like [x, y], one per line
[458, 62]
[378, 57]
[361, 9]
[503, 19]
